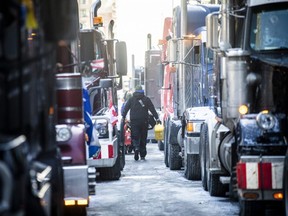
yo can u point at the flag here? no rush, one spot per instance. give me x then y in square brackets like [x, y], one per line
[97, 64]
[112, 111]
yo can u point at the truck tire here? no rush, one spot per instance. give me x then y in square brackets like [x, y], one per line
[121, 153]
[160, 145]
[166, 144]
[175, 161]
[111, 173]
[215, 187]
[122, 148]
[192, 170]
[202, 150]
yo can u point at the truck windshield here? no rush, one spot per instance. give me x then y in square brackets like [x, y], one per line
[269, 29]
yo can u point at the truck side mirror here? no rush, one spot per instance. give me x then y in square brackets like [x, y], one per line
[172, 50]
[105, 83]
[121, 58]
[212, 26]
[161, 75]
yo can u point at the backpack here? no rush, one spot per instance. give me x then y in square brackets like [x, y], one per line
[151, 119]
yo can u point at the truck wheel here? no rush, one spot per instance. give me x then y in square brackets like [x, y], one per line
[122, 153]
[215, 187]
[202, 150]
[166, 144]
[175, 162]
[122, 149]
[111, 173]
[166, 161]
[160, 145]
[192, 169]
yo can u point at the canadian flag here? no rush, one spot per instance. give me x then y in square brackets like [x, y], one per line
[113, 114]
[97, 64]
[112, 111]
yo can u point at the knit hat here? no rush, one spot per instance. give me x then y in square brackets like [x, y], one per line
[138, 87]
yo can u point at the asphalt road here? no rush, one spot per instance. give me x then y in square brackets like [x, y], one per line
[149, 188]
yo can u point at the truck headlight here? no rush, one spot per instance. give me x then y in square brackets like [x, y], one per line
[265, 120]
[63, 134]
[102, 128]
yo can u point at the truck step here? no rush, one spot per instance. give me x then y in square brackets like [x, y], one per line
[225, 179]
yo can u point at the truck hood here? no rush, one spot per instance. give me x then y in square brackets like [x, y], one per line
[280, 60]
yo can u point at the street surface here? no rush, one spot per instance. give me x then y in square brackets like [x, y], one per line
[149, 188]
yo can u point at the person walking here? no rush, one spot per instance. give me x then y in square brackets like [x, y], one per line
[139, 105]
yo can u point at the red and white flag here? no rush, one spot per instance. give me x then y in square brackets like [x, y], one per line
[112, 111]
[97, 64]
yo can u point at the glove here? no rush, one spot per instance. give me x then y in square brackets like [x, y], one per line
[158, 121]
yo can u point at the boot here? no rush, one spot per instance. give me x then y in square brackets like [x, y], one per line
[136, 155]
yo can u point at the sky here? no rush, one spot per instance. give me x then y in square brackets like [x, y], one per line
[136, 19]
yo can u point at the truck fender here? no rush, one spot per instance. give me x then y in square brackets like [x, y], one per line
[180, 139]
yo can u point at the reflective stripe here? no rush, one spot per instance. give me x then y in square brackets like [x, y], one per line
[252, 175]
[260, 175]
[277, 175]
[104, 151]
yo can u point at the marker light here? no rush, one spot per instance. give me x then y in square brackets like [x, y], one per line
[189, 127]
[278, 196]
[243, 109]
[82, 202]
[97, 21]
[250, 195]
[70, 202]
[172, 68]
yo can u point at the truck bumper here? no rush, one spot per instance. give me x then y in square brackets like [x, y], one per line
[76, 189]
[191, 143]
[108, 155]
[260, 178]
[260, 194]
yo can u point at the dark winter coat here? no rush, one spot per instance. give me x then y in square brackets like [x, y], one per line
[137, 110]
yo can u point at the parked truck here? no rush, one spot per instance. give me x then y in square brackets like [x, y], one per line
[30, 160]
[250, 82]
[183, 96]
[238, 114]
[93, 66]
[102, 85]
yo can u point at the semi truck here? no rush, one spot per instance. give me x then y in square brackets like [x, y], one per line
[31, 166]
[102, 84]
[239, 116]
[87, 75]
[250, 82]
[183, 96]
[44, 158]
